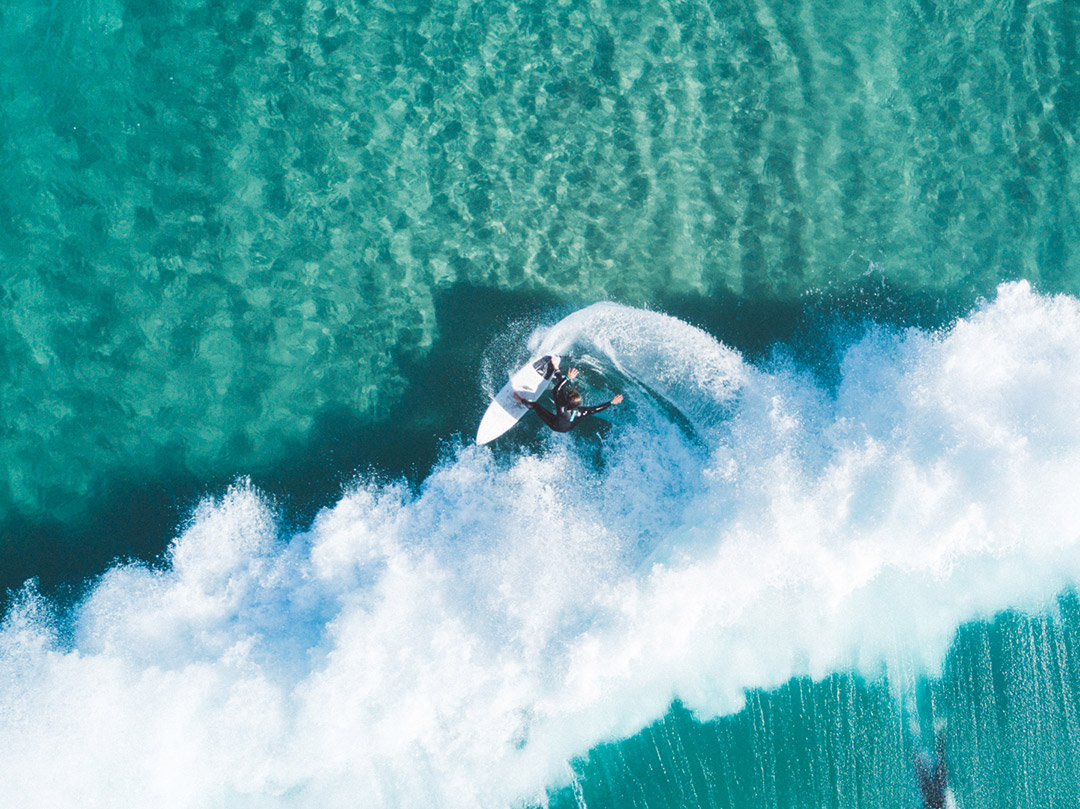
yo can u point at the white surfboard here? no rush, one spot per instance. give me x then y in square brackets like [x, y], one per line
[529, 381]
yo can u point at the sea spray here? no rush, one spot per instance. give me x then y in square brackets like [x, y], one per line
[458, 644]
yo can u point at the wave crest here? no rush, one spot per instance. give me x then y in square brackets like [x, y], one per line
[457, 644]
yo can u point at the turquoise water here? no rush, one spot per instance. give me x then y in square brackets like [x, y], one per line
[299, 244]
[221, 220]
[1009, 689]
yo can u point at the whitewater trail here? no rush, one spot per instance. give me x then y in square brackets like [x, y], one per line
[456, 645]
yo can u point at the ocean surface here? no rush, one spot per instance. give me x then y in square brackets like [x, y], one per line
[263, 263]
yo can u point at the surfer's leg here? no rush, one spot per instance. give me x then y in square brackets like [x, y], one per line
[545, 415]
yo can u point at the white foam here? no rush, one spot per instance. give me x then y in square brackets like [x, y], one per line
[455, 646]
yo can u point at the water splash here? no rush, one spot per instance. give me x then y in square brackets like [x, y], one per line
[459, 644]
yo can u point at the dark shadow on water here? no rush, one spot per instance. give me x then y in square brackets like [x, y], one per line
[810, 330]
[131, 520]
[135, 517]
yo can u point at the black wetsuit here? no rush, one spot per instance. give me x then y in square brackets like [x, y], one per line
[565, 417]
[933, 777]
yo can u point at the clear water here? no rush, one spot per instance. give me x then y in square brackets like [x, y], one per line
[303, 241]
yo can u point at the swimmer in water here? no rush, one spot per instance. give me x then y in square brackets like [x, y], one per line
[932, 774]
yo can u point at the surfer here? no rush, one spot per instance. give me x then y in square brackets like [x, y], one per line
[568, 408]
[932, 774]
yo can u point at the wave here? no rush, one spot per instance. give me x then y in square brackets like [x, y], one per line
[457, 643]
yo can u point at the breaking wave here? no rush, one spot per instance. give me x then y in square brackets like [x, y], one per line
[457, 643]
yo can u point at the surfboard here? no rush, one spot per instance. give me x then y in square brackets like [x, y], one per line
[529, 381]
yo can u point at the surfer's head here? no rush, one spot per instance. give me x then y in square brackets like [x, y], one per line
[572, 398]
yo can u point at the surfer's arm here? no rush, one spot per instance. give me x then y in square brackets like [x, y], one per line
[588, 411]
[560, 380]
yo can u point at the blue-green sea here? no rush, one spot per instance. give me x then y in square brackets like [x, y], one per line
[264, 263]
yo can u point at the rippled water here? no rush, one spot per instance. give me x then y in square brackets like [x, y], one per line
[221, 220]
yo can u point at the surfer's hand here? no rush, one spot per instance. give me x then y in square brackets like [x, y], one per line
[617, 398]
[572, 373]
[517, 398]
